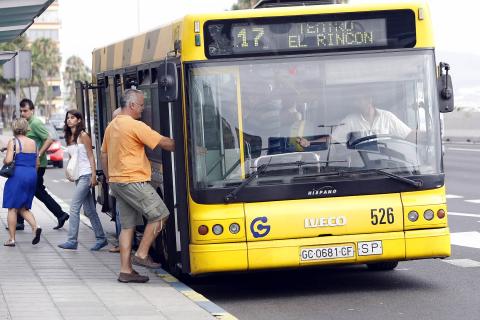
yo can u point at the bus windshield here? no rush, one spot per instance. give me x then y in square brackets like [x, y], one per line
[312, 115]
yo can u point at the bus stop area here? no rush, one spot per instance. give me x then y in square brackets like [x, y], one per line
[46, 282]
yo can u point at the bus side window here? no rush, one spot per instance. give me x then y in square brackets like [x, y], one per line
[110, 98]
[147, 107]
[102, 116]
[155, 110]
[118, 91]
[151, 116]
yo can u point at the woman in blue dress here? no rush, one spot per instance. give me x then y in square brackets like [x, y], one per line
[20, 188]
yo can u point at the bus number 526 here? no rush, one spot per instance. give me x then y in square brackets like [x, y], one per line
[382, 216]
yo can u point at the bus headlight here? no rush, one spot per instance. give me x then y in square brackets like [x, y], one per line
[413, 216]
[428, 214]
[234, 228]
[217, 229]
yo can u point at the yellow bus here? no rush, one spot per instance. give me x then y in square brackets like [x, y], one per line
[306, 135]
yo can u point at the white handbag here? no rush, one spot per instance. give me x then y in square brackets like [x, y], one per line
[72, 170]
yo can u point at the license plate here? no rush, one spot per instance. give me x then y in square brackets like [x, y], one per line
[328, 252]
[370, 248]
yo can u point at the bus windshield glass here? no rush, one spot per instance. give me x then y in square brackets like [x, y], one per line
[313, 117]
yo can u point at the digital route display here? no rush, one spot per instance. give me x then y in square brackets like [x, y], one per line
[308, 35]
[284, 35]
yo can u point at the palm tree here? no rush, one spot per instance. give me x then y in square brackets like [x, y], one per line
[247, 4]
[244, 4]
[75, 69]
[19, 43]
[6, 111]
[45, 66]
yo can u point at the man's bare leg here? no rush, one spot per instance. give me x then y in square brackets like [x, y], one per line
[152, 230]
[125, 242]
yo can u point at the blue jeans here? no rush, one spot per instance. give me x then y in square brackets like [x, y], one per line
[83, 196]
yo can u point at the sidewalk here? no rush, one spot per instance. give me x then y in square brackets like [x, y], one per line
[46, 282]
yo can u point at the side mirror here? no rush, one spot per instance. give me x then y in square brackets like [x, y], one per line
[445, 89]
[167, 82]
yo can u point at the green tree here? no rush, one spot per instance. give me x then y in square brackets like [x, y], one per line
[45, 66]
[75, 69]
[247, 4]
[19, 43]
[6, 111]
[244, 4]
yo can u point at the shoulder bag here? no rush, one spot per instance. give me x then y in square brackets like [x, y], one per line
[9, 169]
[72, 170]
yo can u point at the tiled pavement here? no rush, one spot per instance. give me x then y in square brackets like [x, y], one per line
[45, 282]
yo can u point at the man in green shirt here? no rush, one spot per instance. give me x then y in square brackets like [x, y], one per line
[39, 133]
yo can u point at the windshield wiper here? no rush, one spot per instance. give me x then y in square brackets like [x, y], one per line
[261, 169]
[415, 183]
[229, 197]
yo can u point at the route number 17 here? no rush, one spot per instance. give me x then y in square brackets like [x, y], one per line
[258, 32]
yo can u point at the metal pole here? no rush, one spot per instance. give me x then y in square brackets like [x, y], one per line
[87, 108]
[85, 88]
[17, 85]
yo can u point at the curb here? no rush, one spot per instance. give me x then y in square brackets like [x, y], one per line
[173, 282]
[194, 296]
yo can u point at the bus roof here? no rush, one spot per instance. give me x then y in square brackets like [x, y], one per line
[154, 45]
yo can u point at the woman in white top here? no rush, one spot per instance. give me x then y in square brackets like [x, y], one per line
[79, 147]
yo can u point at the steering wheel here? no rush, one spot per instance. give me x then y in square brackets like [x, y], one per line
[354, 143]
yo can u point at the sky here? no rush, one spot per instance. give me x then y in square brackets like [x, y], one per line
[88, 24]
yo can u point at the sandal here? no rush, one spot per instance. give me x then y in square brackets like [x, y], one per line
[36, 239]
[9, 243]
[115, 249]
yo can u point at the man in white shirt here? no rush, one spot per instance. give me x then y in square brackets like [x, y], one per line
[370, 120]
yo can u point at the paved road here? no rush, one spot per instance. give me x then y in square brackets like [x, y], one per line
[428, 289]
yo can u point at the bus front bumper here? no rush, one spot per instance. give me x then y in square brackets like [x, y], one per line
[408, 245]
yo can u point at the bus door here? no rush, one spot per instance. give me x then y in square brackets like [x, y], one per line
[169, 168]
[105, 97]
[151, 116]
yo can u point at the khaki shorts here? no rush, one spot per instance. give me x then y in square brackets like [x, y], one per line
[137, 199]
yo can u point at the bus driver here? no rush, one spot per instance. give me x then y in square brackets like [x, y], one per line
[368, 120]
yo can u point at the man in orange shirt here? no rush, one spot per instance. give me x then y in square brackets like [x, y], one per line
[128, 171]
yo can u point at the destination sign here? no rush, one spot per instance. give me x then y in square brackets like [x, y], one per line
[327, 32]
[309, 35]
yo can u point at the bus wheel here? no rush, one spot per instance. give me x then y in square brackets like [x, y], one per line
[382, 266]
[163, 248]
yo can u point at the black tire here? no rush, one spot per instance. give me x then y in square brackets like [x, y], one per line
[59, 164]
[160, 253]
[382, 266]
